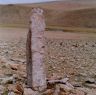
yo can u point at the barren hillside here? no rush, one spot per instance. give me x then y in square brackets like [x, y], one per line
[64, 14]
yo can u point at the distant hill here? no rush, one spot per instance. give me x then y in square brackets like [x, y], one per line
[14, 14]
[64, 4]
[56, 13]
[79, 18]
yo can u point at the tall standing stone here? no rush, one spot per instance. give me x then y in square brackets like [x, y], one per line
[37, 29]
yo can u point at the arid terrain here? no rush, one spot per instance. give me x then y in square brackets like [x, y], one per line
[68, 54]
[70, 44]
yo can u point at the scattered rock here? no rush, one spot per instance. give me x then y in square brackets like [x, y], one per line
[88, 91]
[20, 88]
[7, 80]
[11, 87]
[14, 66]
[64, 80]
[69, 85]
[1, 89]
[48, 92]
[54, 76]
[60, 56]
[90, 81]
[66, 87]
[11, 93]
[57, 90]
[28, 91]
[92, 92]
[78, 92]
[90, 85]
[77, 84]
[18, 60]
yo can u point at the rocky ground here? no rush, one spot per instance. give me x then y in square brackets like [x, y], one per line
[64, 58]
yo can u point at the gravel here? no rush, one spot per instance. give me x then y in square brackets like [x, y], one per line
[64, 57]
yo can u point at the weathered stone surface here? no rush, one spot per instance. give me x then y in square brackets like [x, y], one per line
[37, 49]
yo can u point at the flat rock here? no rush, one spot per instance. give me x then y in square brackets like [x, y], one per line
[90, 85]
[28, 91]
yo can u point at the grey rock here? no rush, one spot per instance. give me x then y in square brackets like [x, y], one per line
[7, 80]
[11, 93]
[90, 80]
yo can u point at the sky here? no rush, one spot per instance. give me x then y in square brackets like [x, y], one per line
[23, 1]
[38, 1]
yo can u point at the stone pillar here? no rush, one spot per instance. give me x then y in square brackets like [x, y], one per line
[37, 29]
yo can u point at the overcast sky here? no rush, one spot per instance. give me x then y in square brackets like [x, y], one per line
[22, 1]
